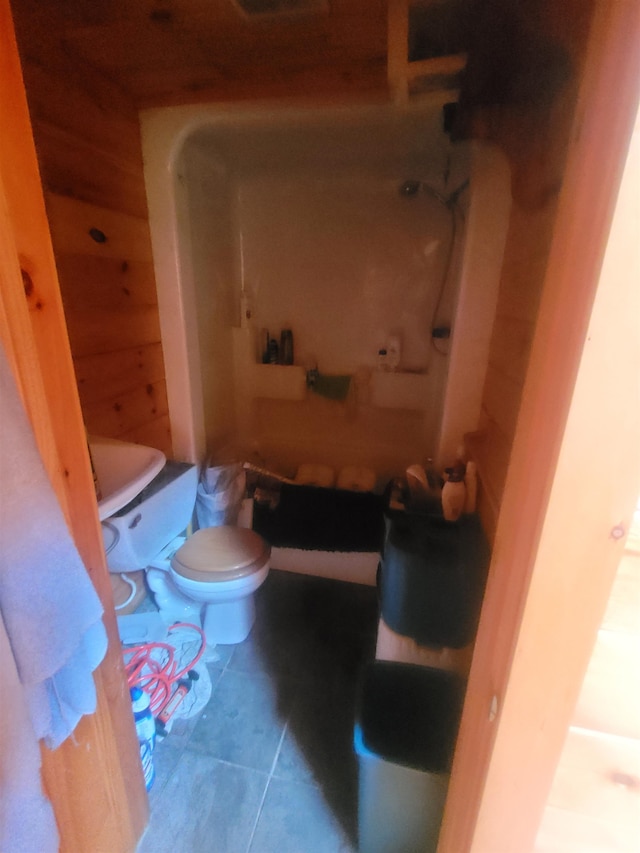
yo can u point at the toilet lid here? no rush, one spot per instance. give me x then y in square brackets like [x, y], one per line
[221, 553]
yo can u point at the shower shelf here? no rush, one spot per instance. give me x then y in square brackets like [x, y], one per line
[279, 381]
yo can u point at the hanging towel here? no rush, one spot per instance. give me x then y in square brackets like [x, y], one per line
[51, 611]
[27, 822]
[331, 387]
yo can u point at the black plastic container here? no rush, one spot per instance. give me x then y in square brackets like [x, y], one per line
[432, 577]
[286, 346]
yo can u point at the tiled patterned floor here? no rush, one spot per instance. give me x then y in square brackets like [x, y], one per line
[269, 764]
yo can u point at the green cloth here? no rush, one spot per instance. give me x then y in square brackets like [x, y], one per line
[332, 387]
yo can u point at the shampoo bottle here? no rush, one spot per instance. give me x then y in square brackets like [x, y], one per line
[471, 487]
[286, 346]
[146, 731]
[453, 496]
[393, 353]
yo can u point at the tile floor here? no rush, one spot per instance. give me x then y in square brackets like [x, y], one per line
[269, 764]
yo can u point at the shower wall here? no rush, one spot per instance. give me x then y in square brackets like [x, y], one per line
[344, 261]
[209, 260]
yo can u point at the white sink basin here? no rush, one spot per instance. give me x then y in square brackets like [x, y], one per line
[123, 470]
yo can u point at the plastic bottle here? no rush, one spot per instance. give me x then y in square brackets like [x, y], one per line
[393, 352]
[471, 486]
[264, 346]
[433, 478]
[245, 311]
[453, 496]
[146, 731]
[286, 346]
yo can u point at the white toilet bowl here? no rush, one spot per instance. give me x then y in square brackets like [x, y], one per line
[217, 569]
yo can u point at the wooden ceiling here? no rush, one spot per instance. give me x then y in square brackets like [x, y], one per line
[163, 52]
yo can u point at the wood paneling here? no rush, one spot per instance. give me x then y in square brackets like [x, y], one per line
[105, 375]
[95, 282]
[88, 143]
[156, 433]
[92, 333]
[77, 168]
[128, 411]
[189, 51]
[93, 171]
[594, 802]
[110, 300]
[76, 99]
[126, 237]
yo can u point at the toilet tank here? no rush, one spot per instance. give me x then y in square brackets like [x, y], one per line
[140, 530]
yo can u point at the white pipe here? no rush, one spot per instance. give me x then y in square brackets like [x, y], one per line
[134, 589]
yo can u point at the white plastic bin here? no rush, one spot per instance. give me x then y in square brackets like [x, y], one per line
[219, 495]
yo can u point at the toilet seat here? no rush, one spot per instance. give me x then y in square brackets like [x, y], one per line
[216, 554]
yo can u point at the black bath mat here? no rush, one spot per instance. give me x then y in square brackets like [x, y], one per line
[316, 519]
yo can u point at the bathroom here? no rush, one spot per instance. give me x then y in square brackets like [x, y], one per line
[87, 135]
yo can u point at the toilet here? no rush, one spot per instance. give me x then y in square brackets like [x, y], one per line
[222, 567]
[208, 578]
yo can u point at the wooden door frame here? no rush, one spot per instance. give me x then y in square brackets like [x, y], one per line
[94, 780]
[572, 483]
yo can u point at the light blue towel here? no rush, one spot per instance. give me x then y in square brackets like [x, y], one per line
[27, 822]
[51, 611]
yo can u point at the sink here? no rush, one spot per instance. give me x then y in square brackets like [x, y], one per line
[123, 470]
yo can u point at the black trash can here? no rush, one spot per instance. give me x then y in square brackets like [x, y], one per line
[404, 737]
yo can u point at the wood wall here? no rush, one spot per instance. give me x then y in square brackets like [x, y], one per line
[594, 803]
[88, 143]
[524, 104]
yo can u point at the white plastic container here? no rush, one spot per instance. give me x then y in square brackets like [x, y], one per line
[136, 534]
[471, 487]
[394, 353]
[146, 731]
[453, 498]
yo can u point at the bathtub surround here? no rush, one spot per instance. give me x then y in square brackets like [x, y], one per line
[296, 213]
[489, 207]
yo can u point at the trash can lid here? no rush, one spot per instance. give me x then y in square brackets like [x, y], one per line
[410, 714]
